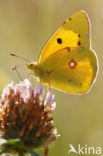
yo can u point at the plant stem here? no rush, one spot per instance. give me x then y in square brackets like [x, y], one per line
[46, 151]
[21, 151]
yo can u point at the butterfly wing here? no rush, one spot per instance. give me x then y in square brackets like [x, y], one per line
[73, 33]
[72, 70]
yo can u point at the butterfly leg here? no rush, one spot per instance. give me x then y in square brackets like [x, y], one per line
[40, 82]
[48, 86]
[29, 75]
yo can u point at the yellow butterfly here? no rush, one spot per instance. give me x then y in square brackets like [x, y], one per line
[66, 61]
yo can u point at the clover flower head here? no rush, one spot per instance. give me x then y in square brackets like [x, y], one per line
[25, 115]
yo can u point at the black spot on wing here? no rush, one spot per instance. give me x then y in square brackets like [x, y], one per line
[65, 22]
[59, 40]
[70, 18]
[79, 43]
[78, 35]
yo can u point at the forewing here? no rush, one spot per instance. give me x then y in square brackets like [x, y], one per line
[73, 33]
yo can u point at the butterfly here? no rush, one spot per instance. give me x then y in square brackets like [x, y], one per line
[67, 62]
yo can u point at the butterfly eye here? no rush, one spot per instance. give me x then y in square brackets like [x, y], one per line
[31, 65]
[59, 40]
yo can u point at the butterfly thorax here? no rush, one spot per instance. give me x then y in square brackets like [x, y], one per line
[38, 71]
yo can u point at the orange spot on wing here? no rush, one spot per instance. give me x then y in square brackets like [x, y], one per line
[72, 64]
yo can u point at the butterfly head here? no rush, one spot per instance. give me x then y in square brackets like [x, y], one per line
[34, 68]
[31, 65]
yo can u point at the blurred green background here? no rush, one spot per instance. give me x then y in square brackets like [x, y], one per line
[25, 26]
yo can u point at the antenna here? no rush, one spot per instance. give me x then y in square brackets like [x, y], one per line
[15, 68]
[19, 57]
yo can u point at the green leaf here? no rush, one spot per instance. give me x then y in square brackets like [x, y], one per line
[5, 150]
[16, 143]
[12, 142]
[30, 151]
